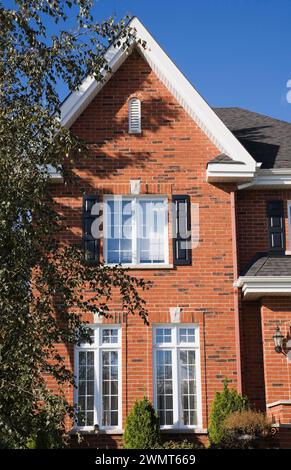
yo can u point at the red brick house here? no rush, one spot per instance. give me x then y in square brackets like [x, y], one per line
[204, 197]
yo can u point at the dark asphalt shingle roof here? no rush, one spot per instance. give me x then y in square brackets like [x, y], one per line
[270, 265]
[223, 158]
[268, 140]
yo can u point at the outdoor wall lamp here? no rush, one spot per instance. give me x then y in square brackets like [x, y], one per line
[278, 340]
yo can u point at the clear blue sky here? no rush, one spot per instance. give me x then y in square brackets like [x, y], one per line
[235, 52]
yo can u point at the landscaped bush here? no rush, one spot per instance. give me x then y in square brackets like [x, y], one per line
[178, 445]
[242, 428]
[142, 428]
[224, 403]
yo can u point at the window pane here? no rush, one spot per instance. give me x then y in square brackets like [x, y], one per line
[187, 366]
[110, 387]
[164, 386]
[119, 231]
[151, 230]
[86, 388]
[163, 335]
[187, 335]
[110, 335]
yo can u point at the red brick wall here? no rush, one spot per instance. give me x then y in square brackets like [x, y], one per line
[276, 311]
[170, 156]
[252, 222]
[253, 383]
[266, 374]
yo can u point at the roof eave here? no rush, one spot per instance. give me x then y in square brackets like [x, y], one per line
[270, 178]
[221, 173]
[256, 287]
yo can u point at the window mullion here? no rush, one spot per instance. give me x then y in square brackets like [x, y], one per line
[176, 386]
[176, 396]
[98, 391]
[135, 254]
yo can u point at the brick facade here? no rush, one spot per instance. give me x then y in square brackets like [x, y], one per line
[170, 157]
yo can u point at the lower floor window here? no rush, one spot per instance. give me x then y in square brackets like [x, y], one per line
[177, 375]
[98, 373]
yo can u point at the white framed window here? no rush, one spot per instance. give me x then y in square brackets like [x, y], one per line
[134, 116]
[98, 379]
[136, 230]
[177, 382]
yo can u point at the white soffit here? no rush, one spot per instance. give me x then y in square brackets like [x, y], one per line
[176, 83]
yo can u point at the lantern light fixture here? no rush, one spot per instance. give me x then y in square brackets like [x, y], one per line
[278, 340]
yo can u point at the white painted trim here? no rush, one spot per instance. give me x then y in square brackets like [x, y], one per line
[135, 249]
[269, 178]
[176, 83]
[278, 403]
[254, 287]
[97, 347]
[77, 101]
[224, 172]
[175, 346]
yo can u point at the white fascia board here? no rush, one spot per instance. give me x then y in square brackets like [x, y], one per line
[222, 172]
[254, 287]
[270, 178]
[176, 83]
[190, 99]
[77, 101]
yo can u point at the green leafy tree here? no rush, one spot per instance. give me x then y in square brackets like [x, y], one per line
[142, 429]
[224, 403]
[42, 281]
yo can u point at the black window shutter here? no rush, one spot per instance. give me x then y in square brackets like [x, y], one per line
[182, 254]
[275, 212]
[91, 244]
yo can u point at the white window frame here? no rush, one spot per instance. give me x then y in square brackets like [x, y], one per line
[98, 348]
[289, 224]
[134, 129]
[135, 247]
[175, 346]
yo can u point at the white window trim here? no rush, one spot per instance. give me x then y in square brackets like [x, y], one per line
[135, 263]
[176, 376]
[98, 348]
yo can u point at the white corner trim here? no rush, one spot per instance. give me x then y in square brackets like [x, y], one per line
[176, 83]
[254, 287]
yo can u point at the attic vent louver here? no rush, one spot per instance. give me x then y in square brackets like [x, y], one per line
[134, 116]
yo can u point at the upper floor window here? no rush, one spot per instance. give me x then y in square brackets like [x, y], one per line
[177, 375]
[134, 116]
[98, 373]
[136, 230]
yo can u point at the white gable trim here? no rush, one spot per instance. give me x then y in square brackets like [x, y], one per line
[176, 83]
